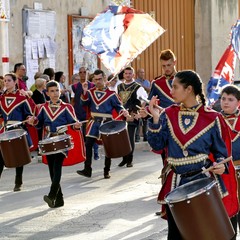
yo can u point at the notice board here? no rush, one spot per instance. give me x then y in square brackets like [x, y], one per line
[39, 46]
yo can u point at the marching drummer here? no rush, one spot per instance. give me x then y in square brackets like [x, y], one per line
[195, 137]
[230, 101]
[14, 109]
[52, 114]
[102, 102]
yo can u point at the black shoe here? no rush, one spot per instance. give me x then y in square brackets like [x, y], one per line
[129, 165]
[49, 201]
[107, 175]
[59, 203]
[17, 187]
[122, 163]
[158, 213]
[84, 173]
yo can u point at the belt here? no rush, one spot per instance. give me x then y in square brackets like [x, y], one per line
[190, 174]
[53, 134]
[101, 119]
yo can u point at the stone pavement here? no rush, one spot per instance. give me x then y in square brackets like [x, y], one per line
[122, 207]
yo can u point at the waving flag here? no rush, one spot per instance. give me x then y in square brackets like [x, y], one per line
[120, 34]
[223, 74]
[235, 40]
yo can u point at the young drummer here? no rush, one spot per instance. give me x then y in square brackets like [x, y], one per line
[230, 101]
[195, 137]
[52, 114]
[14, 108]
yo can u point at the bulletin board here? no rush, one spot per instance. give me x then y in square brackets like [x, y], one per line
[78, 57]
[39, 46]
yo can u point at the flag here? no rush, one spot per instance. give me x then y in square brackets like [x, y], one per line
[223, 74]
[120, 34]
[235, 38]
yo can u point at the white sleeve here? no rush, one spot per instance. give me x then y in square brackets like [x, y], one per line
[142, 92]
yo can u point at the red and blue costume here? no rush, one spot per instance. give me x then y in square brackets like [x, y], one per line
[194, 138]
[161, 87]
[102, 104]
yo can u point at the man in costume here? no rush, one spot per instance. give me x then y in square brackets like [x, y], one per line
[101, 102]
[130, 93]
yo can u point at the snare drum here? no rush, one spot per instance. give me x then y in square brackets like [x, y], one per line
[198, 211]
[115, 139]
[56, 144]
[14, 147]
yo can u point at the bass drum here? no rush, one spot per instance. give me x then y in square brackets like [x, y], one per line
[115, 139]
[198, 211]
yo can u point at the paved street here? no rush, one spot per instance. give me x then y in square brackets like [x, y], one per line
[122, 207]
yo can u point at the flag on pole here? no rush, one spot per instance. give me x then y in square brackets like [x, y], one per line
[235, 39]
[120, 34]
[223, 74]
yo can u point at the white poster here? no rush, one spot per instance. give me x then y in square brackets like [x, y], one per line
[4, 10]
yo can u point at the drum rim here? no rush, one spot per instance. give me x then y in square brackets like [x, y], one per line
[66, 136]
[24, 132]
[111, 133]
[191, 195]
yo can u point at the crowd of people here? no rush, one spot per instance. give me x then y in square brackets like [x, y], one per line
[169, 112]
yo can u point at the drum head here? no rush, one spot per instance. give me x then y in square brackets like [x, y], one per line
[112, 127]
[54, 139]
[12, 134]
[190, 190]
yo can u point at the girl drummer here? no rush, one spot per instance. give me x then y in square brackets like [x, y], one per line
[195, 137]
[14, 108]
[52, 114]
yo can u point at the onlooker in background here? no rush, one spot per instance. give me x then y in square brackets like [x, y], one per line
[60, 78]
[142, 122]
[50, 72]
[36, 76]
[47, 78]
[39, 98]
[75, 79]
[20, 72]
[112, 85]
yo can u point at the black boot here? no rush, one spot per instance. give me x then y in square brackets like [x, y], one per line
[123, 162]
[51, 197]
[59, 200]
[18, 183]
[86, 172]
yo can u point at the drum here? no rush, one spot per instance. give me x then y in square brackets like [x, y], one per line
[198, 211]
[115, 139]
[14, 147]
[55, 144]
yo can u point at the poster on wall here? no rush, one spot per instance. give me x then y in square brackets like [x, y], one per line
[4, 10]
[78, 56]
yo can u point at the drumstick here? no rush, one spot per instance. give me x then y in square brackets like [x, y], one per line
[16, 124]
[221, 162]
[120, 115]
[144, 110]
[68, 125]
[147, 101]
